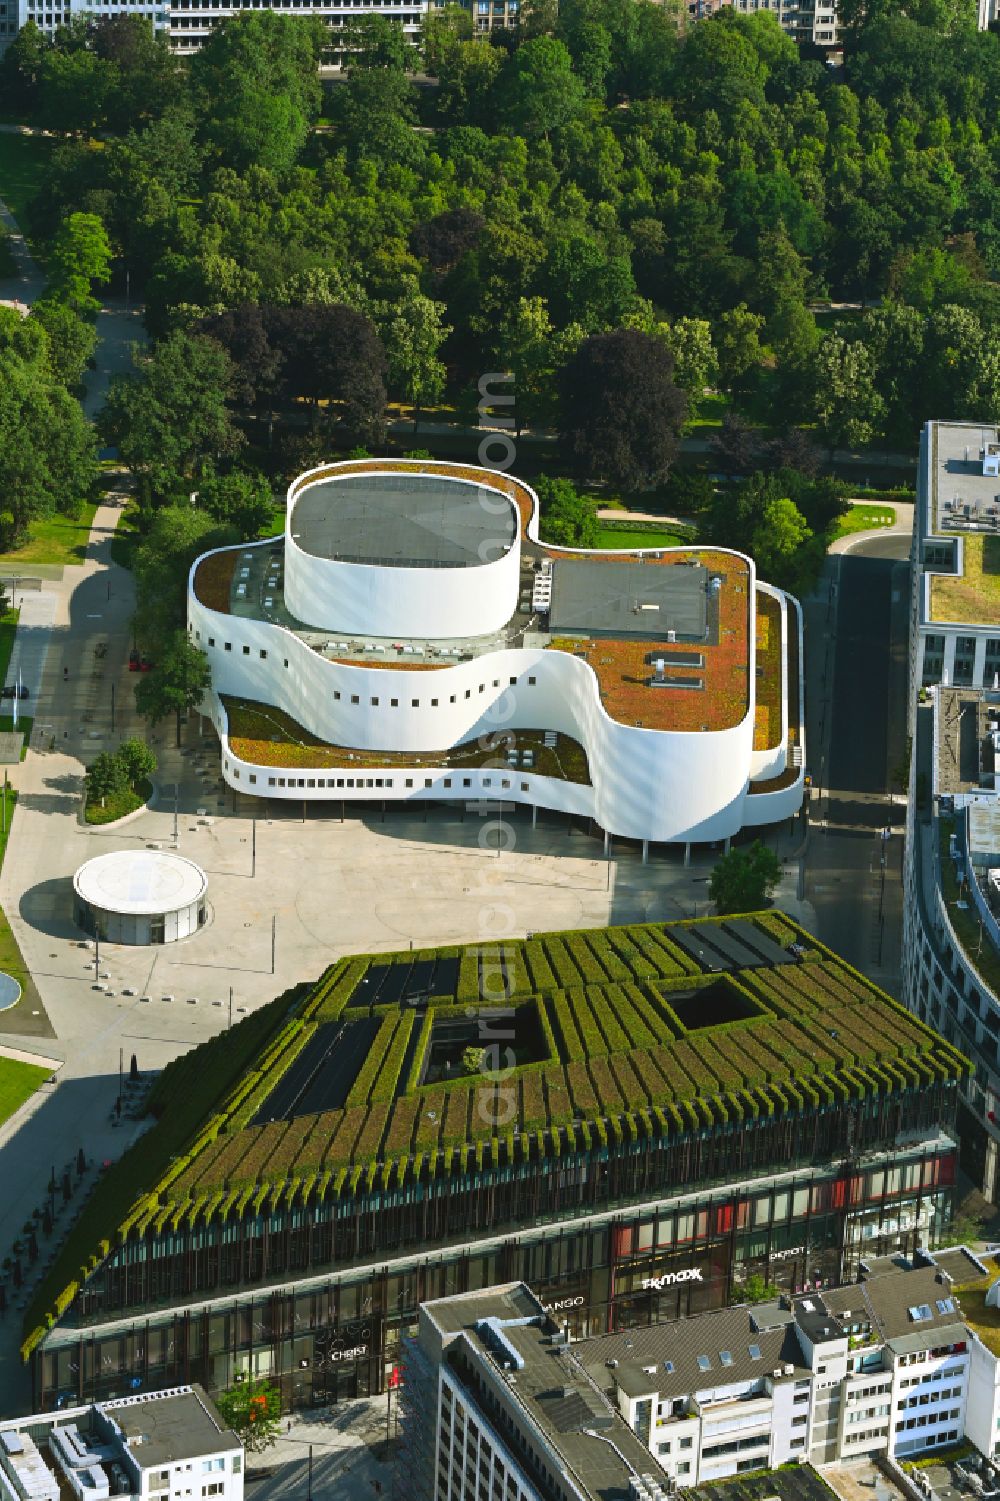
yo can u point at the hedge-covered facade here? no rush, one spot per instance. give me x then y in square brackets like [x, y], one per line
[621, 1087]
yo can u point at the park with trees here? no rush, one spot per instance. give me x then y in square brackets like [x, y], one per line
[655, 230]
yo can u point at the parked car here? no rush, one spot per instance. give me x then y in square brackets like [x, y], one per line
[133, 660]
[145, 665]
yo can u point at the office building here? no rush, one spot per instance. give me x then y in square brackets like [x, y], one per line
[495, 1394]
[951, 939]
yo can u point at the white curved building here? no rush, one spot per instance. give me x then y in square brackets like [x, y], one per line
[410, 638]
[140, 896]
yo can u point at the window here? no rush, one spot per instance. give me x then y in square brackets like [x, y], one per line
[336, 694]
[726, 1357]
[482, 687]
[394, 703]
[704, 1364]
[434, 703]
[211, 640]
[263, 655]
[684, 1468]
[532, 681]
[355, 698]
[468, 692]
[229, 646]
[246, 651]
[466, 781]
[524, 787]
[408, 782]
[286, 661]
[513, 681]
[452, 698]
[754, 1352]
[414, 703]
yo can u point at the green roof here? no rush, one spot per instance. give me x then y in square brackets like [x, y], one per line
[593, 1038]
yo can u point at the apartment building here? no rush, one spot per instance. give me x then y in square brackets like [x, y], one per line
[169, 1445]
[951, 941]
[498, 1402]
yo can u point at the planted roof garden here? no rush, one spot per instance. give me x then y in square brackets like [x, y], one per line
[402, 1071]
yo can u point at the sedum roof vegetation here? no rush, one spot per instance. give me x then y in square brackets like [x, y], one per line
[619, 1035]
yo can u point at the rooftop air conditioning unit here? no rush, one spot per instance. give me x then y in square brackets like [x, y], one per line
[789, 1369]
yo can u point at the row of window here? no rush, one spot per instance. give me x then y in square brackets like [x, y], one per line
[932, 1420]
[945, 1373]
[863, 1414]
[863, 1393]
[350, 783]
[415, 702]
[927, 1397]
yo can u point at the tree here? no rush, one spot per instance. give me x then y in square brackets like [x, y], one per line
[105, 776]
[171, 416]
[440, 30]
[695, 363]
[137, 761]
[256, 81]
[736, 443]
[737, 344]
[472, 1060]
[538, 89]
[252, 1411]
[744, 880]
[240, 500]
[756, 1289]
[376, 42]
[849, 406]
[779, 534]
[161, 564]
[178, 682]
[76, 89]
[620, 411]
[21, 68]
[80, 256]
[413, 330]
[568, 519]
[72, 340]
[48, 446]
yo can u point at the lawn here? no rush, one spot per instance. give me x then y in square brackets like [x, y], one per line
[975, 595]
[18, 1082]
[863, 518]
[54, 539]
[117, 805]
[22, 161]
[624, 536]
[8, 630]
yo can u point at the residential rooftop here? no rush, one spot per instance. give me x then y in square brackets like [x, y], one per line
[507, 1327]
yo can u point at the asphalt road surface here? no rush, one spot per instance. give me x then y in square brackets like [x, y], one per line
[852, 874]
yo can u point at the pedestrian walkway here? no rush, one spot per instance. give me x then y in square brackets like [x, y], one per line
[28, 282]
[37, 611]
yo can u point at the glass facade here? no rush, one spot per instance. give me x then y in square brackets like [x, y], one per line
[338, 1336]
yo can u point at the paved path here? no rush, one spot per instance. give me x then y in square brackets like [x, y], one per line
[28, 283]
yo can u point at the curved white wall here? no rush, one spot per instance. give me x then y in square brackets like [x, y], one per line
[661, 785]
[362, 599]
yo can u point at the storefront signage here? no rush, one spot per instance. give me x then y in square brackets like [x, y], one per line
[656, 1284]
[352, 1354]
[785, 1255]
[562, 1303]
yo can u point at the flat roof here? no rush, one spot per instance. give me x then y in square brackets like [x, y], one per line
[404, 521]
[628, 598]
[142, 882]
[165, 1427]
[964, 499]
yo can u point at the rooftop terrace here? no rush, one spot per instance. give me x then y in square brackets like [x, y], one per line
[706, 606]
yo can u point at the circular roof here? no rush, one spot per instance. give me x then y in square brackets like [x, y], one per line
[416, 519]
[140, 881]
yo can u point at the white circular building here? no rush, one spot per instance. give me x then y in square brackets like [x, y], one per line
[140, 896]
[392, 553]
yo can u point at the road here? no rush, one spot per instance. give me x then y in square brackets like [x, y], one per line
[856, 638]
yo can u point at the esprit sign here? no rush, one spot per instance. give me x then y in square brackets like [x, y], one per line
[656, 1284]
[562, 1303]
